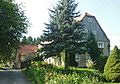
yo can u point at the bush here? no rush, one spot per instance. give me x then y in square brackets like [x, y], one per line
[92, 80]
[56, 78]
[42, 73]
[112, 66]
[100, 63]
[90, 64]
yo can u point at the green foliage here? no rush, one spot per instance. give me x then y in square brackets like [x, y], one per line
[100, 63]
[72, 61]
[112, 66]
[62, 32]
[30, 40]
[92, 46]
[91, 80]
[42, 73]
[13, 24]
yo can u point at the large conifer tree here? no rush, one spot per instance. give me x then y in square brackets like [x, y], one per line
[63, 33]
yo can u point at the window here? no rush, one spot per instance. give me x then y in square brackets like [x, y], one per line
[100, 44]
[90, 20]
[94, 32]
[77, 57]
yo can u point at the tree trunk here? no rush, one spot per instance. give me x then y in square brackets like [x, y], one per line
[66, 66]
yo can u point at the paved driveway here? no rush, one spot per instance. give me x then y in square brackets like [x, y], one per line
[13, 77]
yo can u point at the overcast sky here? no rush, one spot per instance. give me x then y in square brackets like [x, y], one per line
[106, 12]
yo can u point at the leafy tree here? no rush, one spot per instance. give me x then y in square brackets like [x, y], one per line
[112, 67]
[92, 46]
[36, 40]
[13, 24]
[25, 40]
[30, 40]
[63, 33]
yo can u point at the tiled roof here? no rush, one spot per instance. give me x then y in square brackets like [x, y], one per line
[27, 49]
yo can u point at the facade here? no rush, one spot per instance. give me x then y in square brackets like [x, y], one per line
[91, 25]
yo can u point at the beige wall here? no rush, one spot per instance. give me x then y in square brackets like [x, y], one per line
[106, 50]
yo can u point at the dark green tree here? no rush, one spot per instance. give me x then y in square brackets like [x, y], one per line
[30, 40]
[112, 66]
[92, 46]
[72, 61]
[36, 40]
[13, 24]
[63, 33]
[100, 63]
[25, 40]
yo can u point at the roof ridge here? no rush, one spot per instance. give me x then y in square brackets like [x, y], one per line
[88, 14]
[81, 16]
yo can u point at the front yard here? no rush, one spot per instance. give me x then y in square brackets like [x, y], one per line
[42, 73]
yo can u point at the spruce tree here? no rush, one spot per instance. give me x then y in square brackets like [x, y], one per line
[112, 66]
[63, 33]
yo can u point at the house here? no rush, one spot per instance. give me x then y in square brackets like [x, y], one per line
[91, 25]
[25, 53]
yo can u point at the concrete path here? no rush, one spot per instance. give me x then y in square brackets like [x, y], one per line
[13, 77]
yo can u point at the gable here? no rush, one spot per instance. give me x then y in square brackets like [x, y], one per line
[92, 24]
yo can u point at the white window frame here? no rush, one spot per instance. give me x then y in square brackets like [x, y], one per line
[101, 44]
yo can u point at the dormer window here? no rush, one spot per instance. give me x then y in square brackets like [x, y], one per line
[90, 20]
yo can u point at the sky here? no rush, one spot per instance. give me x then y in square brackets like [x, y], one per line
[106, 12]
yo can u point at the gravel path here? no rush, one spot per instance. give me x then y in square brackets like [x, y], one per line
[13, 77]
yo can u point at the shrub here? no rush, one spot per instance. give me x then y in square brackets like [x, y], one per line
[56, 78]
[92, 80]
[35, 74]
[100, 63]
[42, 73]
[112, 66]
[90, 64]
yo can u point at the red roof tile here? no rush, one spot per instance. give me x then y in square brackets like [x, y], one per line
[27, 49]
